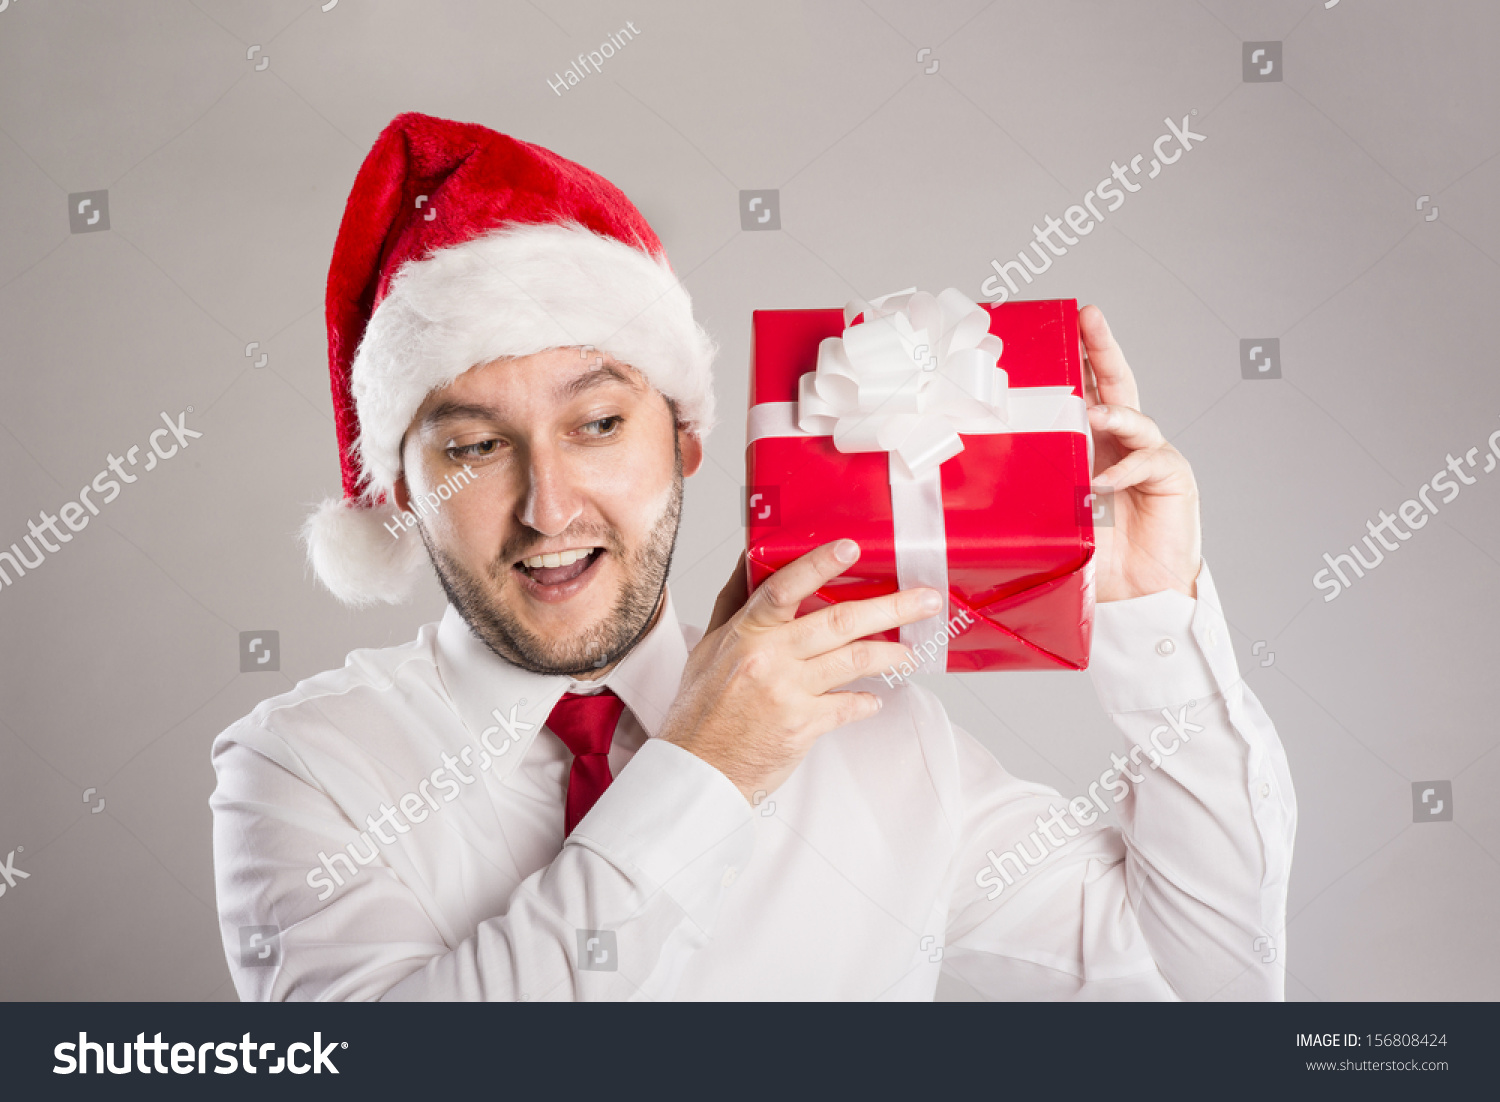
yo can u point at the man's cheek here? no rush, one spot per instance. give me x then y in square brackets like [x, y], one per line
[473, 528]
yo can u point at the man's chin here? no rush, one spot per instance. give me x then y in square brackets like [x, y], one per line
[567, 637]
[577, 636]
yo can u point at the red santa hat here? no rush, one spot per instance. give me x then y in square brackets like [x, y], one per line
[459, 246]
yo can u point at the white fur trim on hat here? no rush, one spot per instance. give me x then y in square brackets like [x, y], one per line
[512, 292]
[515, 292]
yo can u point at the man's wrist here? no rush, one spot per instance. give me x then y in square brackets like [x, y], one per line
[1162, 649]
[1188, 589]
[692, 747]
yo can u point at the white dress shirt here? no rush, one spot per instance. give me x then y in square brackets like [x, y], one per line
[399, 825]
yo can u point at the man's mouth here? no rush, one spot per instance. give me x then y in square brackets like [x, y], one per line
[558, 575]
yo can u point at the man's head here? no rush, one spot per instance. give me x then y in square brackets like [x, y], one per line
[562, 453]
[460, 247]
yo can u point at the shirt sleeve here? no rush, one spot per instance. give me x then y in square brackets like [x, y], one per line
[1184, 896]
[631, 896]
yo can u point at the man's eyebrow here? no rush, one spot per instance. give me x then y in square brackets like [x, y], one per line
[453, 411]
[596, 376]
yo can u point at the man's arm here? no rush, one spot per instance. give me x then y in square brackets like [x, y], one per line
[1210, 828]
[646, 864]
[1177, 888]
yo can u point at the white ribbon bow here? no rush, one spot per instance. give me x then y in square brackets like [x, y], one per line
[908, 379]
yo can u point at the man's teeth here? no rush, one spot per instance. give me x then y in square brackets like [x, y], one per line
[558, 558]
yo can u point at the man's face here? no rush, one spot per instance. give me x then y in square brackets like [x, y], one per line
[572, 458]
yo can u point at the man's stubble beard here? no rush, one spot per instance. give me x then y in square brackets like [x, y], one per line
[645, 578]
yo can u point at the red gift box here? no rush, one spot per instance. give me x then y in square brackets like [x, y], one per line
[1015, 506]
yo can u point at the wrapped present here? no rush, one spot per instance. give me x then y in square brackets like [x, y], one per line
[950, 440]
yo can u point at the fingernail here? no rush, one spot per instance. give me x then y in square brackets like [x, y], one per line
[846, 550]
[931, 601]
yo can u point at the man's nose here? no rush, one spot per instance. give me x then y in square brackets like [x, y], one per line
[550, 502]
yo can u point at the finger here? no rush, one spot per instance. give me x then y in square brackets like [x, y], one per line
[1114, 382]
[821, 631]
[1156, 470]
[1090, 384]
[863, 658]
[839, 709]
[1131, 428]
[731, 598]
[778, 597]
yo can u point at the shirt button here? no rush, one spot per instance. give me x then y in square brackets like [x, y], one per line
[1265, 789]
[731, 874]
[1213, 637]
[1165, 647]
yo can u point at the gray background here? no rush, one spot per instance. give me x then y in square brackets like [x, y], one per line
[1295, 219]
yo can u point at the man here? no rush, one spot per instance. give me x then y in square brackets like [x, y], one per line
[560, 792]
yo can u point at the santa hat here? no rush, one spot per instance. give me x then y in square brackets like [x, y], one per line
[460, 245]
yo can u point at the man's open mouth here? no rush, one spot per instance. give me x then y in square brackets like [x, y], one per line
[558, 568]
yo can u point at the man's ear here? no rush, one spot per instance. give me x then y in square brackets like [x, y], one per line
[692, 451]
[399, 492]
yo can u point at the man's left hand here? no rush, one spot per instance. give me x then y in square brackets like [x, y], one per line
[1155, 541]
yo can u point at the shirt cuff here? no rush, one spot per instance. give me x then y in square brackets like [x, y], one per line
[678, 822]
[1162, 649]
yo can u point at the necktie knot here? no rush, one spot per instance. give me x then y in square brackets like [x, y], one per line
[586, 726]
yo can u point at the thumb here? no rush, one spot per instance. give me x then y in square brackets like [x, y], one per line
[731, 598]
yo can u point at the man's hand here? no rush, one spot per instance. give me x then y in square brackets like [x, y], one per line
[1155, 542]
[757, 690]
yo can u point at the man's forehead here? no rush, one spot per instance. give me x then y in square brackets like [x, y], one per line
[568, 376]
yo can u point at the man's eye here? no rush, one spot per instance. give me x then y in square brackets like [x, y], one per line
[482, 450]
[606, 426]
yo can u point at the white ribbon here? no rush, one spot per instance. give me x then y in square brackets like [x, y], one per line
[909, 378]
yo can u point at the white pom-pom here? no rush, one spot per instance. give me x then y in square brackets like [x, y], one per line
[355, 554]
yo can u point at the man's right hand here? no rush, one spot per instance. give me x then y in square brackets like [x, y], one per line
[758, 689]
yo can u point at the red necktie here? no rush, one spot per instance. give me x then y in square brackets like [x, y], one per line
[586, 724]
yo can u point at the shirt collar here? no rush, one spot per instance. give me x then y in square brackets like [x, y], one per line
[487, 691]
